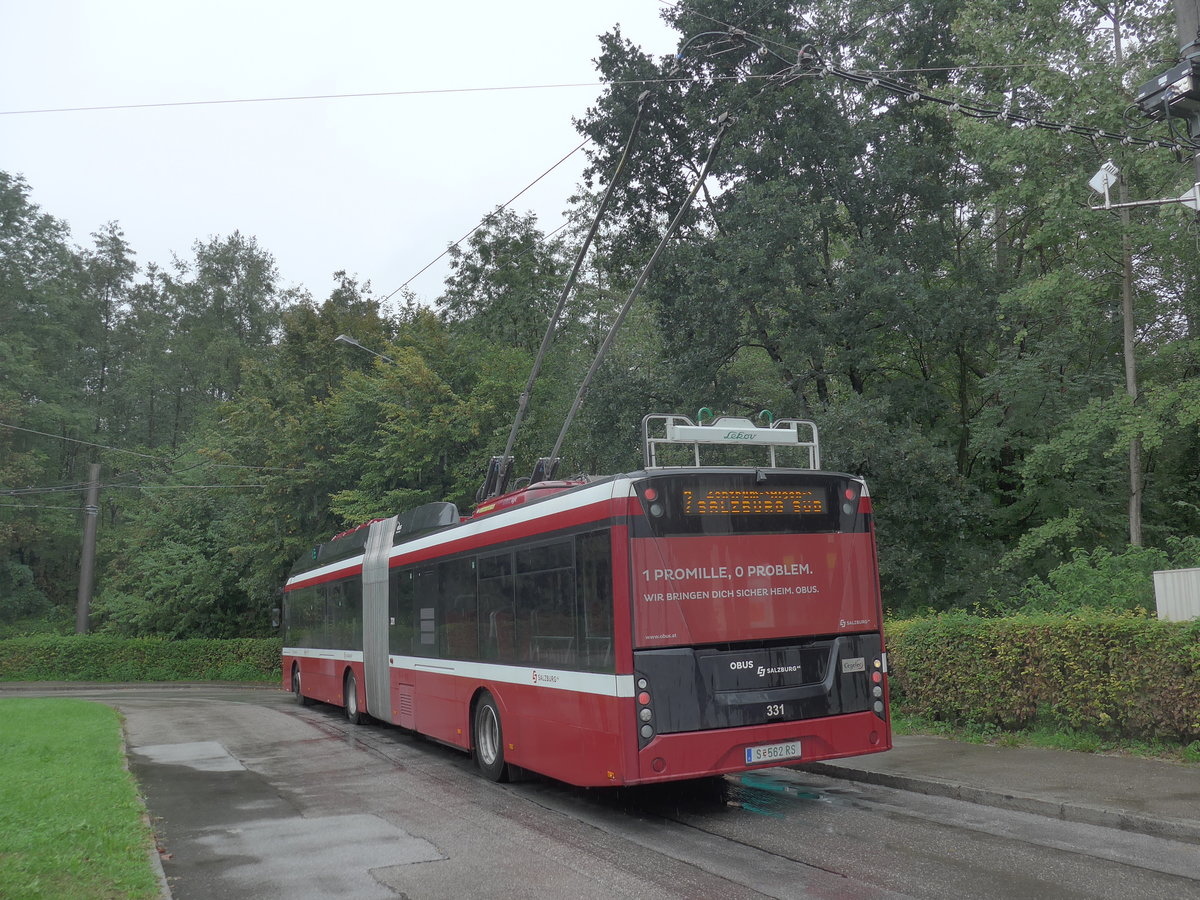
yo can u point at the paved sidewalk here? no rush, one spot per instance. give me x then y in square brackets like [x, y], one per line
[1142, 795]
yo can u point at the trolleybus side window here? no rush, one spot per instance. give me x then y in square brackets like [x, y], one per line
[292, 636]
[343, 608]
[457, 609]
[545, 587]
[306, 617]
[593, 580]
[496, 622]
[402, 633]
[425, 603]
[547, 605]
[354, 603]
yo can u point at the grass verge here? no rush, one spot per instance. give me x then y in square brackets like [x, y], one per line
[69, 811]
[1046, 736]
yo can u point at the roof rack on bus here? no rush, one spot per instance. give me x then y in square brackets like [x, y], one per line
[736, 430]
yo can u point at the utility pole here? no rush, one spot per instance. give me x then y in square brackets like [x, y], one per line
[1187, 20]
[1175, 94]
[1187, 23]
[87, 562]
[1137, 481]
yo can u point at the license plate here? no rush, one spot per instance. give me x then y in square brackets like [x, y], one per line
[766, 753]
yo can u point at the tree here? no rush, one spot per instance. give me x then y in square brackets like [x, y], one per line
[929, 277]
[39, 390]
[108, 273]
[930, 287]
[432, 419]
[505, 283]
[823, 275]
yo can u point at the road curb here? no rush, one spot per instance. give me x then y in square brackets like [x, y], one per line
[154, 852]
[1121, 819]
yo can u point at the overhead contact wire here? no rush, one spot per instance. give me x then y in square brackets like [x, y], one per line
[485, 219]
[571, 279]
[913, 93]
[724, 122]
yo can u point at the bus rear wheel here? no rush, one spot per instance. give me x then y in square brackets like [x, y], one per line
[297, 689]
[488, 738]
[350, 695]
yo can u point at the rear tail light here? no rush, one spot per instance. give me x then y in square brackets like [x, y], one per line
[878, 668]
[645, 714]
[652, 504]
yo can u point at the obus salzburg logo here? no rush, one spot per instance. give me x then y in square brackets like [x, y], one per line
[742, 664]
[776, 670]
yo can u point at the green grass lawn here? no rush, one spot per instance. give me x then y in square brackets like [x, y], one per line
[71, 823]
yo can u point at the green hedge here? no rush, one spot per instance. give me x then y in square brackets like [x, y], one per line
[1121, 675]
[104, 658]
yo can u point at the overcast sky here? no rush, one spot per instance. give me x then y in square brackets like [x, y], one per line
[377, 186]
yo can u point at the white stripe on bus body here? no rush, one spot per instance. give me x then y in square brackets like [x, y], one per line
[568, 501]
[342, 565]
[316, 653]
[556, 679]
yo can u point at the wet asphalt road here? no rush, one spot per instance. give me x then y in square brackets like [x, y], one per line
[253, 796]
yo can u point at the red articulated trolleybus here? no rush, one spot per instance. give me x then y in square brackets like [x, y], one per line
[671, 623]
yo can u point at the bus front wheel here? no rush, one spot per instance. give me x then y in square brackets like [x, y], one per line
[350, 691]
[489, 740]
[297, 689]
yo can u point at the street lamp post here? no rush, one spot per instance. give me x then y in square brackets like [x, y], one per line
[346, 339]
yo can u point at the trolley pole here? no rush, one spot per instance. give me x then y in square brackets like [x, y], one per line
[87, 562]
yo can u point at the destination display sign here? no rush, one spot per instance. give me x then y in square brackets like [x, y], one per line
[752, 502]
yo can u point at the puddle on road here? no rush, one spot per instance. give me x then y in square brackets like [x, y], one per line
[769, 794]
[204, 756]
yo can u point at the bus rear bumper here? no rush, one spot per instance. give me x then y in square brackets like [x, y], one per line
[699, 754]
